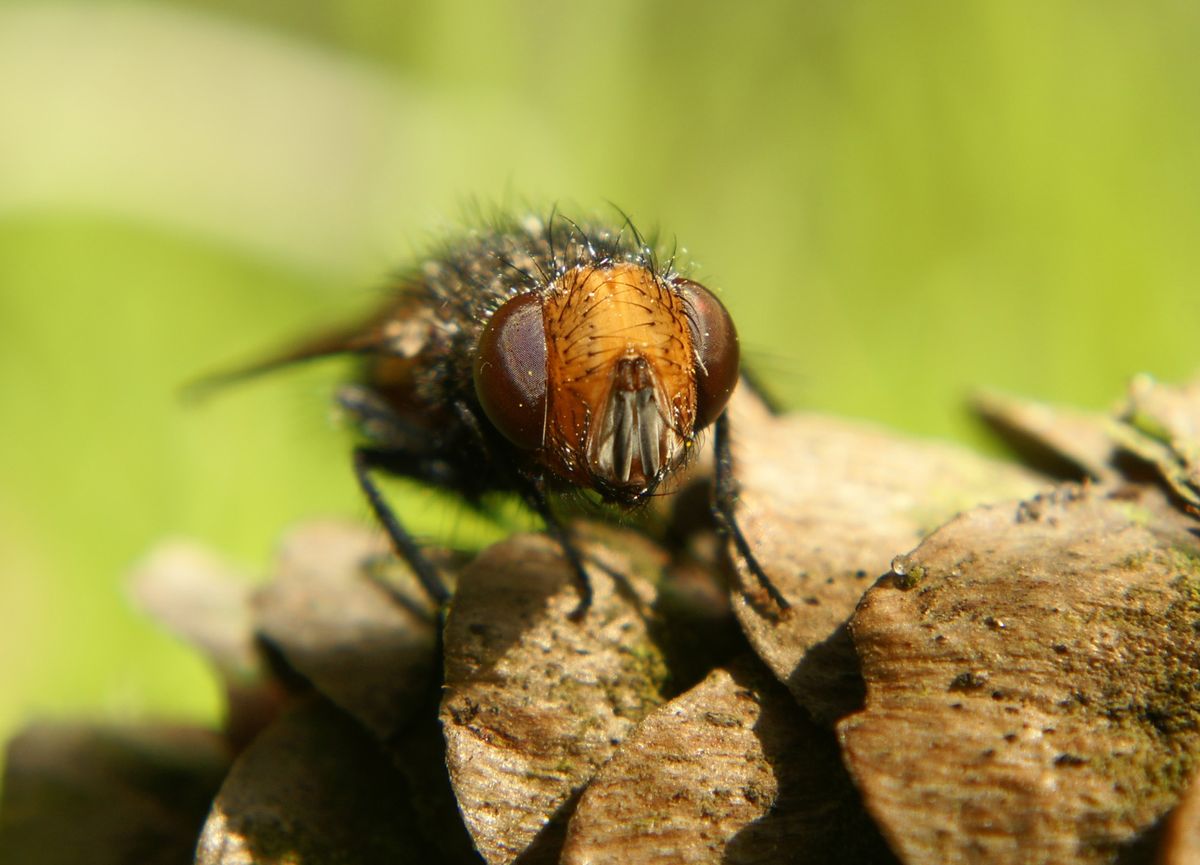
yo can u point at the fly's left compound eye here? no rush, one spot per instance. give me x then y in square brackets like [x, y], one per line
[715, 343]
[510, 371]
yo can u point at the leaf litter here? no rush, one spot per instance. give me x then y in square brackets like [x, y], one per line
[1018, 686]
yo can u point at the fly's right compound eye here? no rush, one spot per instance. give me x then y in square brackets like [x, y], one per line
[510, 371]
[715, 342]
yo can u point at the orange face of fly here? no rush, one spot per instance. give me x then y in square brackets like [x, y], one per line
[621, 391]
[607, 375]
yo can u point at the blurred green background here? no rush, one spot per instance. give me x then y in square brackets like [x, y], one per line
[899, 201]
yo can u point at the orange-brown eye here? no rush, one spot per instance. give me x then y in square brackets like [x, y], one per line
[510, 371]
[715, 343]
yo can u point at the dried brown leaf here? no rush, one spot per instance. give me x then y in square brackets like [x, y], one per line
[732, 771]
[1163, 428]
[107, 795]
[825, 504]
[1174, 410]
[419, 755]
[1181, 841]
[1032, 680]
[1050, 434]
[201, 599]
[535, 702]
[313, 788]
[367, 645]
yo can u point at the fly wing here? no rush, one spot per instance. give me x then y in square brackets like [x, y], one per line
[362, 338]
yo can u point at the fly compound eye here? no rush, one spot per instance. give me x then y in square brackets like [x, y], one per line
[715, 345]
[510, 371]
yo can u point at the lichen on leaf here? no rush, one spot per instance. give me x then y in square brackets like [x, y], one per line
[1035, 696]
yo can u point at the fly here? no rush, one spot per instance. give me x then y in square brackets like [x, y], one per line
[533, 357]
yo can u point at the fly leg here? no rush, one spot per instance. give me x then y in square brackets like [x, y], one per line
[535, 496]
[749, 380]
[405, 452]
[725, 498]
[367, 460]
[398, 449]
[533, 490]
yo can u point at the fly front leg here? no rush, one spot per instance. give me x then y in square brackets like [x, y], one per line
[533, 490]
[366, 461]
[725, 498]
[535, 496]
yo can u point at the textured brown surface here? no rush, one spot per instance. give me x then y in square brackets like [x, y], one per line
[825, 504]
[1033, 680]
[1163, 427]
[313, 788]
[1030, 672]
[107, 795]
[731, 771]
[534, 703]
[1045, 433]
[1181, 841]
[199, 598]
[202, 600]
[365, 644]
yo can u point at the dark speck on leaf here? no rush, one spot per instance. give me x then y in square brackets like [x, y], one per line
[968, 681]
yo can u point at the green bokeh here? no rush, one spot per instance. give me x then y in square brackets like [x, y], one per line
[899, 201]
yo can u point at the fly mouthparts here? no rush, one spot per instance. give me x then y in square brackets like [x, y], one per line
[633, 426]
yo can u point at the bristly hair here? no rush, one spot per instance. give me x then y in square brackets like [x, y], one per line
[647, 244]
[435, 394]
[604, 239]
[495, 255]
